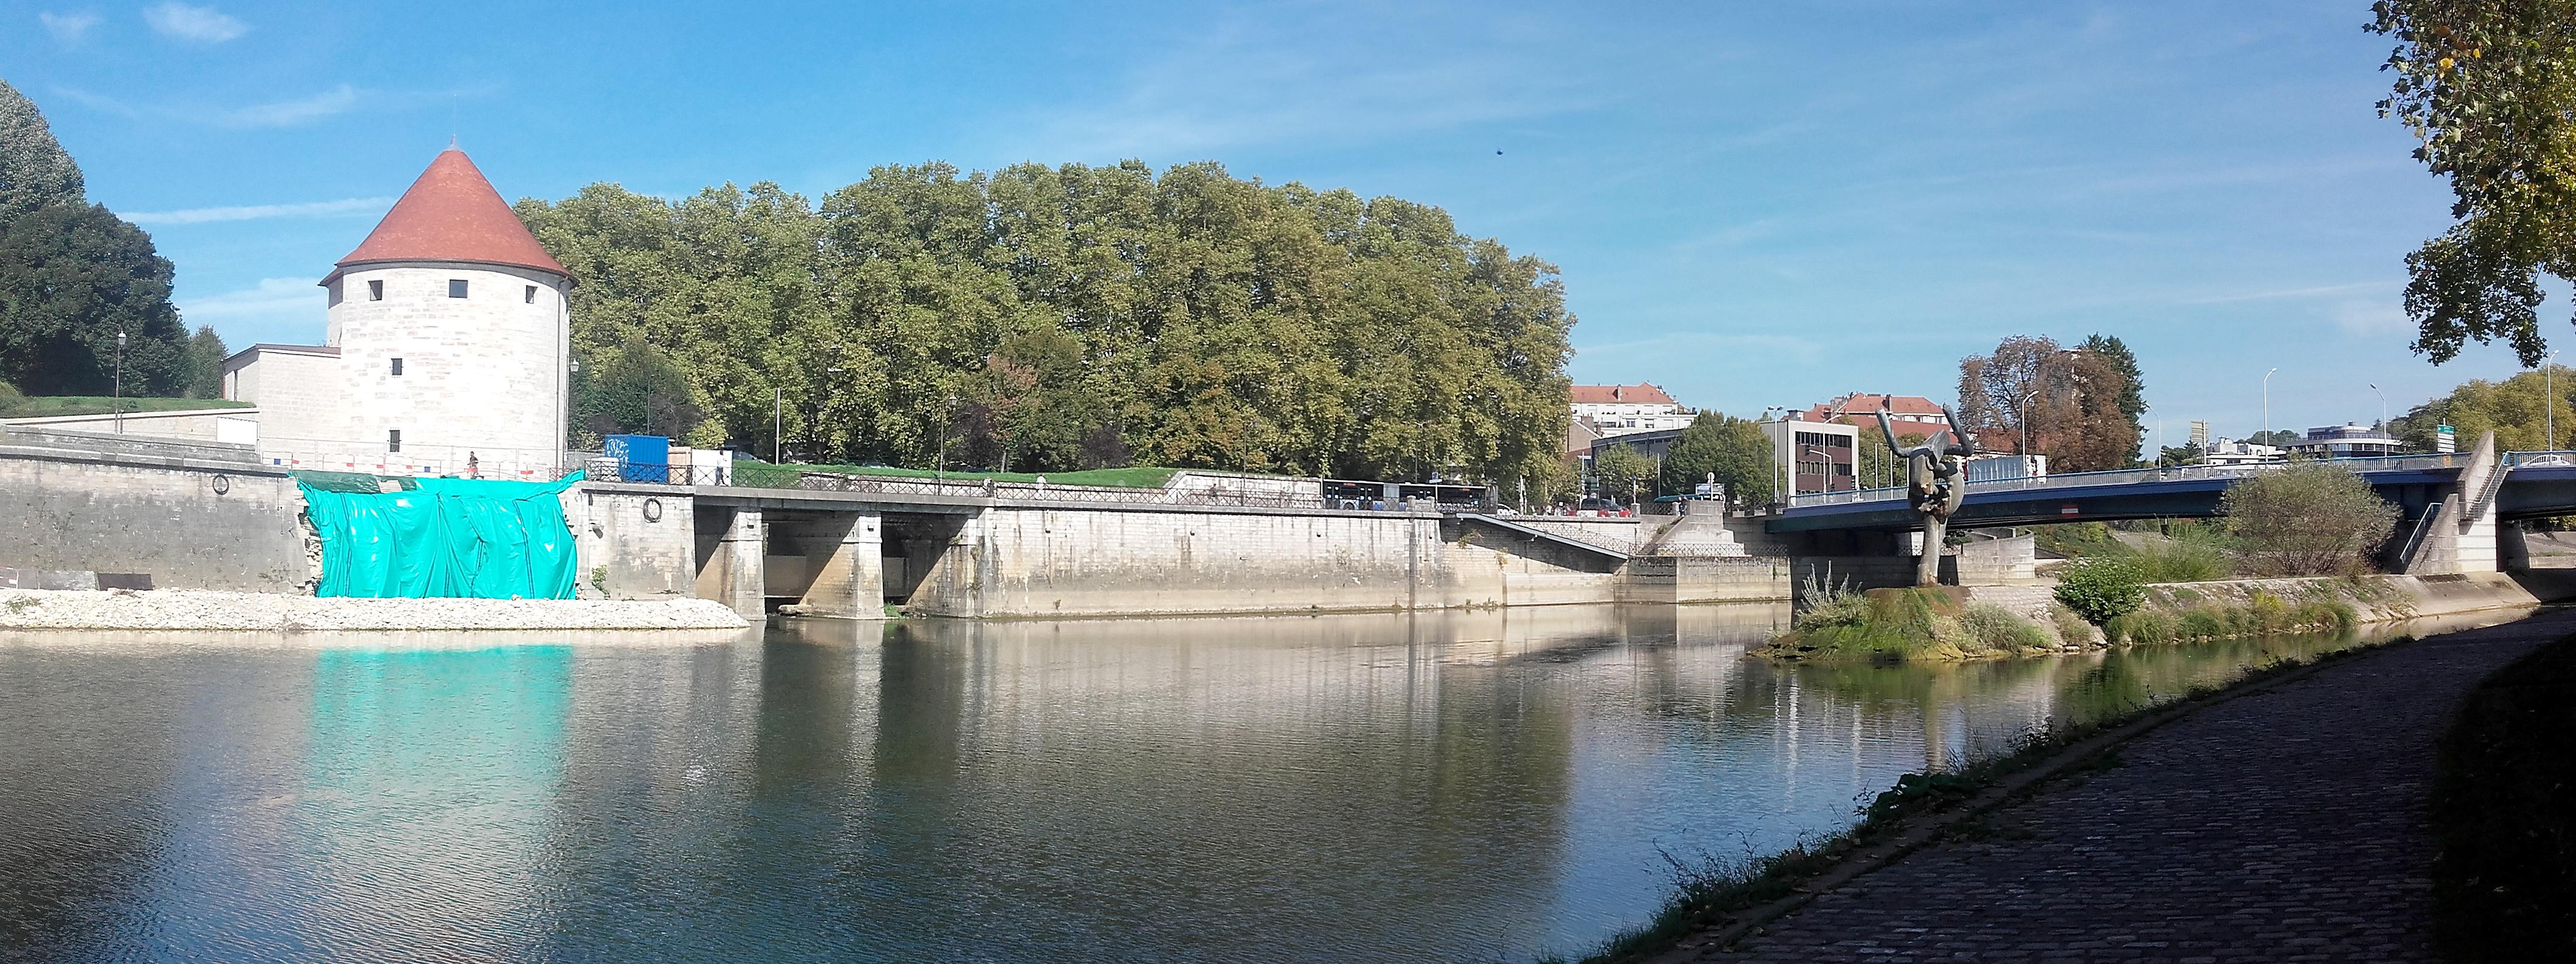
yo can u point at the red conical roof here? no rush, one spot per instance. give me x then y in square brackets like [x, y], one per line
[451, 214]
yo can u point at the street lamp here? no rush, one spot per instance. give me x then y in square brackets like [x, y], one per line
[2023, 408]
[2267, 406]
[116, 403]
[2549, 399]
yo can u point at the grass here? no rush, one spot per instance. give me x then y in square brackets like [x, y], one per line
[49, 406]
[1709, 892]
[2260, 614]
[2170, 551]
[1898, 625]
[1132, 477]
[2504, 816]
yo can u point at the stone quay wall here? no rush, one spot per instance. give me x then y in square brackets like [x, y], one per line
[191, 516]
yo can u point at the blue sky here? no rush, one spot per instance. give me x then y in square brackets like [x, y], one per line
[1752, 204]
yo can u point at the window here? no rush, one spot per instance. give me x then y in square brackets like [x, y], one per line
[532, 294]
[397, 366]
[456, 287]
[393, 440]
[376, 290]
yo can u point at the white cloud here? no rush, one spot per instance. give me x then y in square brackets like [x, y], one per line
[2372, 319]
[273, 297]
[254, 212]
[288, 113]
[202, 24]
[68, 27]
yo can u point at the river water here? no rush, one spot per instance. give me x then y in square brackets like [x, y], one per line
[1438, 786]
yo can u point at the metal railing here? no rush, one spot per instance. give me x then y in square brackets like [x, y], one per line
[2173, 473]
[759, 476]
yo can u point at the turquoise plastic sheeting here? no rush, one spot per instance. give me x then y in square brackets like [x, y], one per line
[469, 538]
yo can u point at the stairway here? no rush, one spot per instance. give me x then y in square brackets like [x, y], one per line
[1699, 535]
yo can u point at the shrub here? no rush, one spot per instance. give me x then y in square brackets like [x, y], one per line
[2100, 589]
[2182, 560]
[2202, 622]
[2142, 627]
[2070, 627]
[2311, 519]
[1990, 628]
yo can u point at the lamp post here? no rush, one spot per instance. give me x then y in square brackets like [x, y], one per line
[2548, 392]
[116, 403]
[777, 425]
[2023, 409]
[2267, 406]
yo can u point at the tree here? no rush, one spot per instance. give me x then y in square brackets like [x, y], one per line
[2277, 438]
[2310, 519]
[35, 172]
[2133, 389]
[202, 364]
[2188, 454]
[2516, 409]
[635, 388]
[71, 278]
[1879, 467]
[1189, 318]
[2068, 398]
[2489, 90]
[1623, 472]
[1733, 449]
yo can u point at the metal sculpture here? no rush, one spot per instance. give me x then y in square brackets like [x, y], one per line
[1935, 484]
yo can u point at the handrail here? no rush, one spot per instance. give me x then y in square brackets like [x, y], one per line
[2174, 473]
[762, 476]
[2415, 537]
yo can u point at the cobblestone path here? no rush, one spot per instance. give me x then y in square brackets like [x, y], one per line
[2281, 826]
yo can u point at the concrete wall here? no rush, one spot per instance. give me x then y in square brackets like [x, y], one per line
[1011, 561]
[297, 392]
[189, 516]
[633, 542]
[234, 426]
[1672, 579]
[1625, 535]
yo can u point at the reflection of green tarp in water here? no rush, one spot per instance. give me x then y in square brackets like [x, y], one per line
[480, 538]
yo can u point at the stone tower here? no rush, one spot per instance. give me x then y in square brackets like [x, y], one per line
[453, 332]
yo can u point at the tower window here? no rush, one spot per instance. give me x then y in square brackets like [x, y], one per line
[393, 440]
[532, 294]
[397, 366]
[456, 287]
[376, 290]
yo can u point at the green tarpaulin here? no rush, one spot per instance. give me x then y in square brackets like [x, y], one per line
[477, 538]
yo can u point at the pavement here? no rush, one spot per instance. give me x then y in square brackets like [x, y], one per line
[2283, 825]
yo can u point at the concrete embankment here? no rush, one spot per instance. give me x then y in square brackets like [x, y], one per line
[265, 612]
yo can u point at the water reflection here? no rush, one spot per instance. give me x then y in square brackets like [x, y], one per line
[1441, 786]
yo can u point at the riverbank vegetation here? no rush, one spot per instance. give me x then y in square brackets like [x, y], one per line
[2504, 816]
[1898, 625]
[2310, 519]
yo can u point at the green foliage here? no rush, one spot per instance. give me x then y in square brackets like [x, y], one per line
[1988, 628]
[1050, 318]
[1620, 470]
[2069, 399]
[2115, 354]
[2142, 627]
[8, 393]
[2517, 410]
[2100, 589]
[636, 387]
[34, 170]
[1733, 449]
[2489, 90]
[1134, 476]
[71, 277]
[2186, 454]
[2071, 627]
[2259, 614]
[2310, 519]
[202, 364]
[44, 406]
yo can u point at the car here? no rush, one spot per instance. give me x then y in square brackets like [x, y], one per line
[2559, 461]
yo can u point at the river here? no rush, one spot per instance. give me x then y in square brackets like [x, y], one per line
[1471, 786]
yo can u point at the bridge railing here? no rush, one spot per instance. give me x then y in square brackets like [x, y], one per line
[763, 476]
[2540, 458]
[2172, 473]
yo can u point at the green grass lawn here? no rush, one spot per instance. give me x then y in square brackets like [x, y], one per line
[1133, 477]
[47, 406]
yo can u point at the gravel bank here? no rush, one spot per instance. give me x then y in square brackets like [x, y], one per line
[198, 610]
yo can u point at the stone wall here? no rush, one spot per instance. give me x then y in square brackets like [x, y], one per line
[481, 374]
[1011, 561]
[189, 516]
[633, 541]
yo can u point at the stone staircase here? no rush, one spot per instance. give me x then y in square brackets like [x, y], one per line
[1697, 536]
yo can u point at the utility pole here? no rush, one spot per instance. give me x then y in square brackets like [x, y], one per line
[2549, 392]
[777, 425]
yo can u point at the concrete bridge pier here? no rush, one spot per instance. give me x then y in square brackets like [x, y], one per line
[845, 555]
[731, 568]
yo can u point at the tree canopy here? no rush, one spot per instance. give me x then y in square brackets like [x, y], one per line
[2071, 400]
[1733, 449]
[2516, 409]
[1064, 317]
[2310, 519]
[2489, 90]
[73, 275]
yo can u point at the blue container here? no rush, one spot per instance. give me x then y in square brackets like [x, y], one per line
[640, 458]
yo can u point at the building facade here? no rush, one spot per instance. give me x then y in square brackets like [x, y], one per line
[1813, 456]
[2351, 440]
[446, 348]
[1614, 410]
